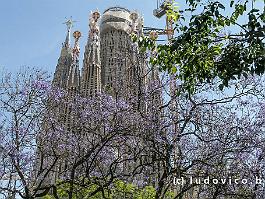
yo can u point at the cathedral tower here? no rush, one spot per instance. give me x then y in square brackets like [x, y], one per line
[119, 61]
[64, 61]
[91, 72]
[73, 79]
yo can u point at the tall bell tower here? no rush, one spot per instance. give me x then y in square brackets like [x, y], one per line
[91, 72]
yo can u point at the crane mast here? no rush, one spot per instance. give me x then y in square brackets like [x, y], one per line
[160, 11]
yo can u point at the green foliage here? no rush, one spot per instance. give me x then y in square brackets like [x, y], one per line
[119, 190]
[47, 197]
[202, 51]
[172, 12]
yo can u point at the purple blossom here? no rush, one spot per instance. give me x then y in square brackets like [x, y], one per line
[41, 85]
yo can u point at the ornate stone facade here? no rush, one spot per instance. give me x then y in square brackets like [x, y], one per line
[112, 63]
[111, 60]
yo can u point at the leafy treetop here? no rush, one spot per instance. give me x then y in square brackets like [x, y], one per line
[211, 42]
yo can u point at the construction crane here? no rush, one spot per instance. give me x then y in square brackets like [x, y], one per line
[160, 11]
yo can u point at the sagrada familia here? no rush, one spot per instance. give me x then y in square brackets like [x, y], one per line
[112, 62]
[109, 56]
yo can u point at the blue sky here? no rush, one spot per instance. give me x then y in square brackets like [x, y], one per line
[32, 30]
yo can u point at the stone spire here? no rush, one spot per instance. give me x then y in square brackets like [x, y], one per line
[64, 61]
[73, 80]
[91, 72]
[69, 24]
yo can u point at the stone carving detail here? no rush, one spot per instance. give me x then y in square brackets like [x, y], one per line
[94, 27]
[76, 49]
[134, 17]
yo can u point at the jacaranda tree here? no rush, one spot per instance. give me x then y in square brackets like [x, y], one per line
[58, 145]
